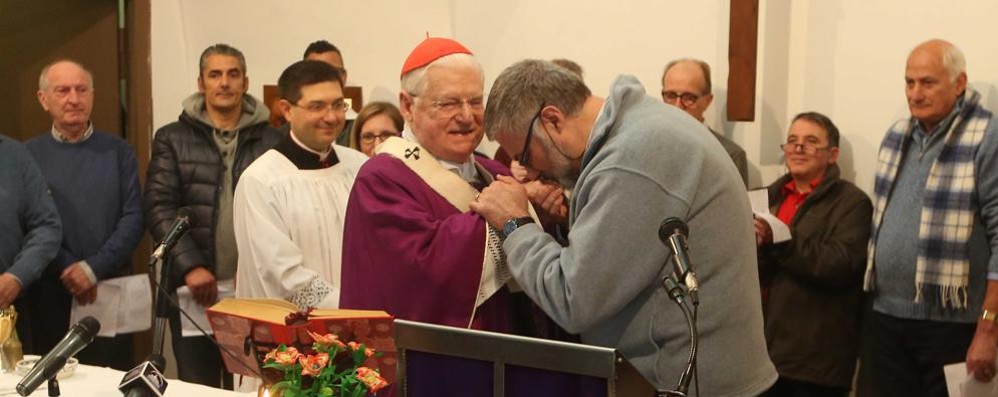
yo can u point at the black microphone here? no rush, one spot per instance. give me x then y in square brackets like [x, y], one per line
[79, 336]
[673, 234]
[145, 380]
[185, 220]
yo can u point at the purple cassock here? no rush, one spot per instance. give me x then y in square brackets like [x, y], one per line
[409, 252]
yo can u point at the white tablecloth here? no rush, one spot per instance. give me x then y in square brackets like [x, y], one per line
[89, 381]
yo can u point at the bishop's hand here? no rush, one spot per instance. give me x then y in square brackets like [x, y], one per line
[501, 201]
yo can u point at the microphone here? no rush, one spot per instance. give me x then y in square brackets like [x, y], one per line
[673, 233]
[185, 220]
[145, 380]
[78, 337]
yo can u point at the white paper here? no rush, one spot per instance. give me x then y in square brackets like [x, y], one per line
[760, 208]
[226, 289]
[960, 383]
[760, 200]
[123, 305]
[135, 311]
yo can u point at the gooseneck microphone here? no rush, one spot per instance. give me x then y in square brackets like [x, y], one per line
[673, 234]
[79, 336]
[185, 220]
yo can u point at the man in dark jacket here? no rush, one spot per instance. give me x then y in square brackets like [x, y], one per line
[815, 278]
[196, 163]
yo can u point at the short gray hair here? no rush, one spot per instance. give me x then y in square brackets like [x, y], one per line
[520, 91]
[43, 77]
[221, 49]
[954, 61]
[414, 82]
[704, 68]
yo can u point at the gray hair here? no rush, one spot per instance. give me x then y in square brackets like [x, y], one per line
[704, 68]
[414, 82]
[221, 49]
[954, 61]
[520, 91]
[43, 77]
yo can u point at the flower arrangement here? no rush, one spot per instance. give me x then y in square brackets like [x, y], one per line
[335, 369]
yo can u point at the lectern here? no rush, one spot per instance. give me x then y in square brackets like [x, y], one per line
[436, 360]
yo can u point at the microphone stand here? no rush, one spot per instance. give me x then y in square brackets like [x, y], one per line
[162, 309]
[53, 386]
[163, 303]
[677, 293]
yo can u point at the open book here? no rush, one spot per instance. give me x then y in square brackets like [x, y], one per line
[250, 328]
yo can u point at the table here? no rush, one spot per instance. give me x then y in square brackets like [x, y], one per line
[90, 381]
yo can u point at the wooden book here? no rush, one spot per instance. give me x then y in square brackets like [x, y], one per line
[250, 328]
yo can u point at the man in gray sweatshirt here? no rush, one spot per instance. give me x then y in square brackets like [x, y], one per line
[633, 162]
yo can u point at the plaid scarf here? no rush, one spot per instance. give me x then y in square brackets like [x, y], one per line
[948, 207]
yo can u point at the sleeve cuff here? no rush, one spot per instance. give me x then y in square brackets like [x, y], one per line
[311, 294]
[16, 278]
[89, 271]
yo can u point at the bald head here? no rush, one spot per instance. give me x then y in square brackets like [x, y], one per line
[935, 78]
[686, 85]
[61, 66]
[946, 53]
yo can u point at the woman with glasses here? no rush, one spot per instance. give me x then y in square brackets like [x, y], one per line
[814, 279]
[375, 123]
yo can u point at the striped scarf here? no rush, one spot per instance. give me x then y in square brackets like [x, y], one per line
[948, 206]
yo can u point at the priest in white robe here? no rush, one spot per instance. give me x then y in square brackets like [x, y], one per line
[290, 203]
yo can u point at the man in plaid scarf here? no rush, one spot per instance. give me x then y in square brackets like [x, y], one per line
[932, 271]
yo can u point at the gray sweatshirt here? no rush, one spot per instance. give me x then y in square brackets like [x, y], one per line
[647, 161]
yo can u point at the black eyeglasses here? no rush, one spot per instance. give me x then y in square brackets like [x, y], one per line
[525, 154]
[687, 98]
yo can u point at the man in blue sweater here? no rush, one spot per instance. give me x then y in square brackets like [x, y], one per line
[29, 226]
[94, 181]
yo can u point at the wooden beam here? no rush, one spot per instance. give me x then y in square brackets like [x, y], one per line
[742, 53]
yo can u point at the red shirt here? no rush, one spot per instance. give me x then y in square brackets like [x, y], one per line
[793, 200]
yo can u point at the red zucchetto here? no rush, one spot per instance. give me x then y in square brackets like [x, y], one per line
[431, 49]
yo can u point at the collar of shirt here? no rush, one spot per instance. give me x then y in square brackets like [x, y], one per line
[925, 139]
[61, 138]
[322, 155]
[465, 170]
[790, 188]
[793, 200]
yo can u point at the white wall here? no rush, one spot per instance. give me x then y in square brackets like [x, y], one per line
[844, 58]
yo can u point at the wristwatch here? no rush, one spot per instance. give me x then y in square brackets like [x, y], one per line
[989, 316]
[511, 225]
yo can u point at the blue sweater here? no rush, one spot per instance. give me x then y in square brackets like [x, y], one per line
[29, 224]
[896, 255]
[95, 185]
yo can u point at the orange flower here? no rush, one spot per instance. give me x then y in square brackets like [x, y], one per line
[312, 365]
[368, 352]
[371, 378]
[286, 357]
[327, 340]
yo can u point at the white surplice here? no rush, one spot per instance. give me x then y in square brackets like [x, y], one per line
[289, 228]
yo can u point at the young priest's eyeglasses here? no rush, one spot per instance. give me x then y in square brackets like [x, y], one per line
[525, 154]
[323, 107]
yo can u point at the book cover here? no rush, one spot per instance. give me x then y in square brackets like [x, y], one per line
[250, 328]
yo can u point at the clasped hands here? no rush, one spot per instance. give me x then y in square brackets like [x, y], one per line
[507, 198]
